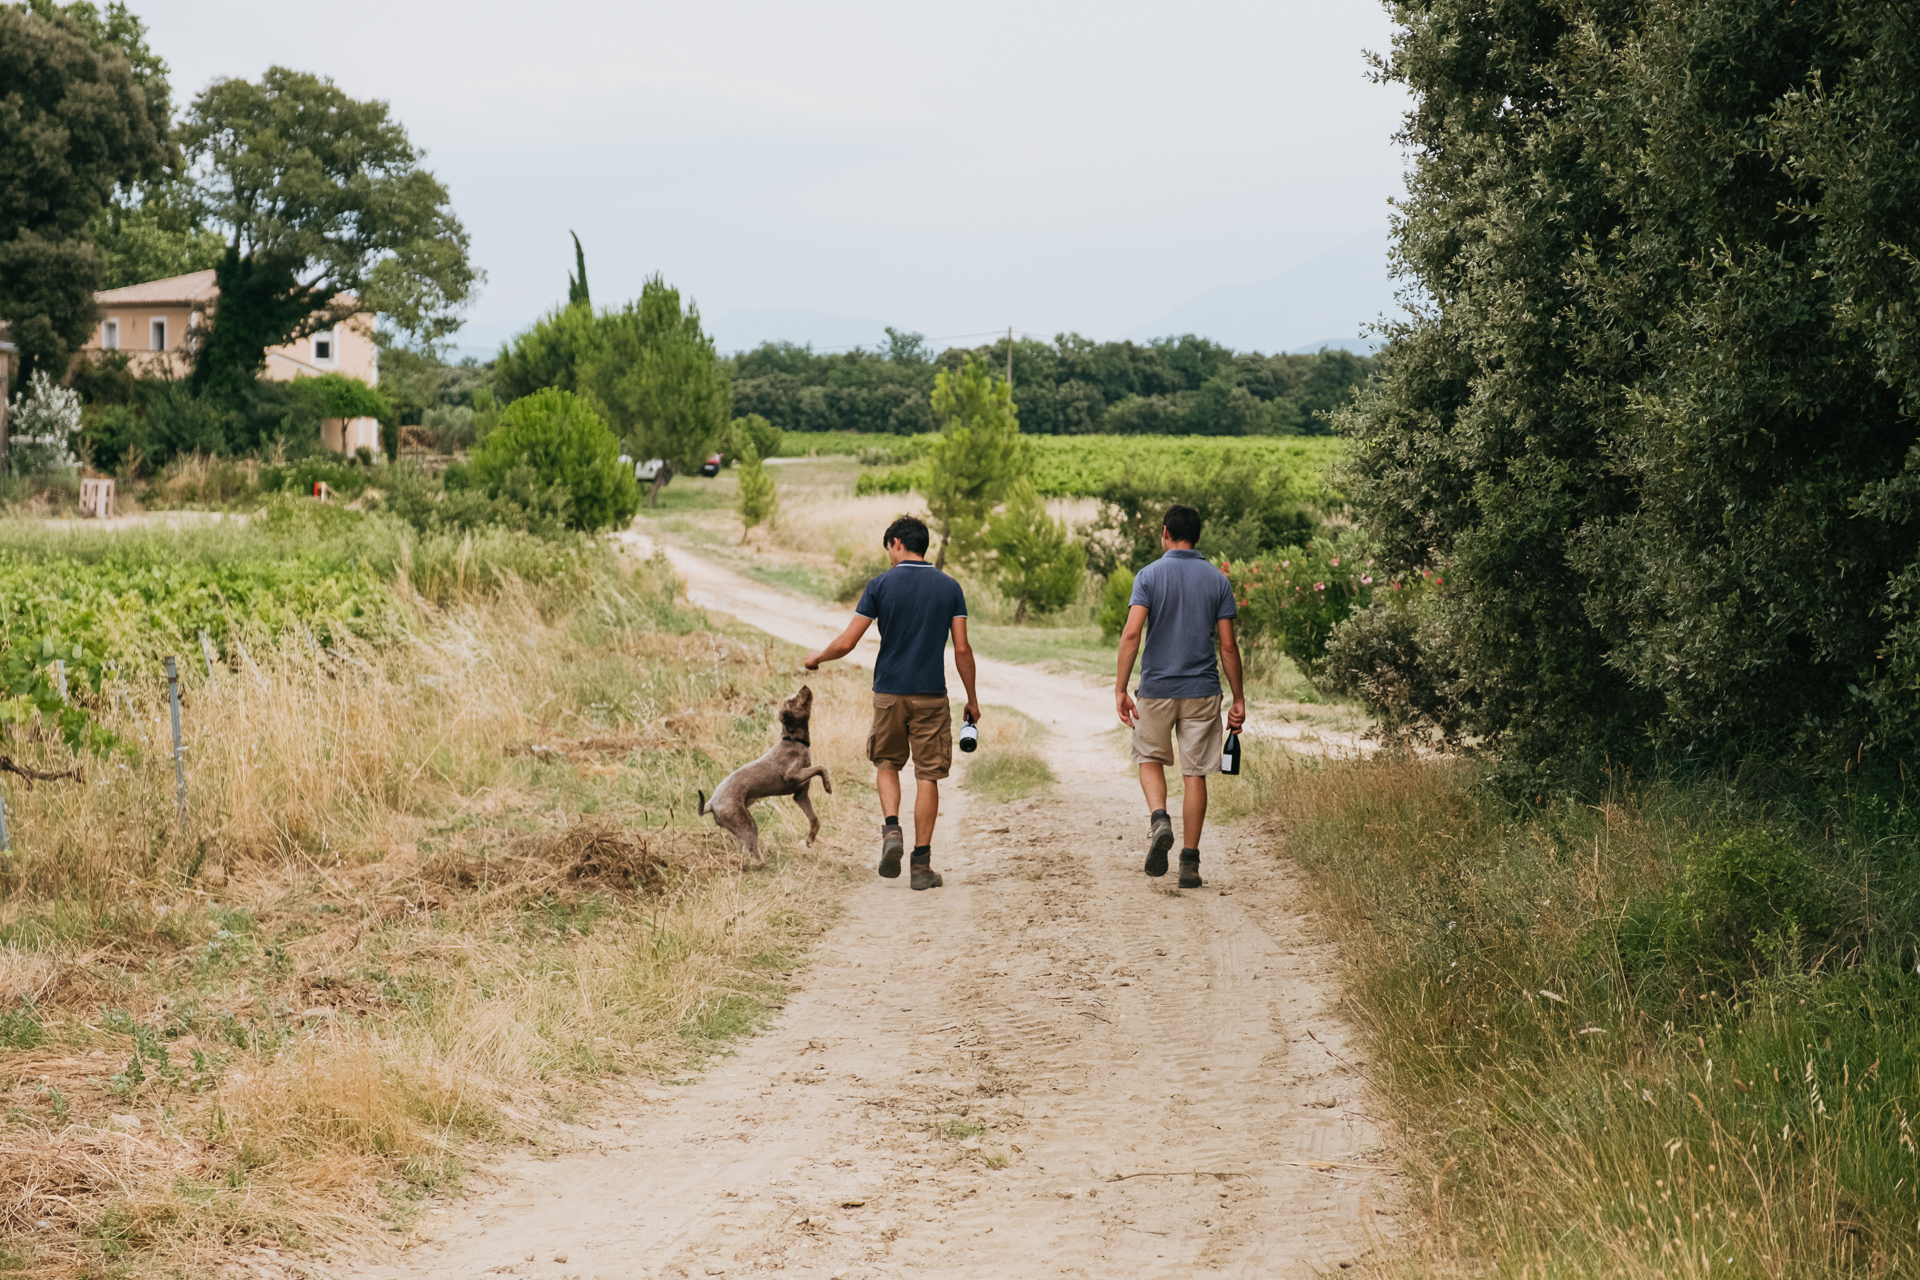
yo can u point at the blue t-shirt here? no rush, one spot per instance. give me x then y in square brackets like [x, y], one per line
[915, 605]
[1185, 597]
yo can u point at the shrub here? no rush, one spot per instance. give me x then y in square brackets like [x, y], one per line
[41, 428]
[335, 395]
[560, 439]
[1742, 900]
[523, 504]
[341, 476]
[451, 427]
[857, 569]
[113, 435]
[758, 494]
[894, 480]
[1296, 596]
[180, 422]
[756, 432]
[486, 414]
[1391, 658]
[1115, 602]
[1036, 565]
[1249, 503]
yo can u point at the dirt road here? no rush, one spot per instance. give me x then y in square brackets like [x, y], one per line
[1051, 1067]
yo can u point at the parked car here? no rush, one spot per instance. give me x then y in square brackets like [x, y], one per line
[648, 470]
[711, 467]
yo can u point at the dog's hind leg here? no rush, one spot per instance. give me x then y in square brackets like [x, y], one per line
[736, 818]
[801, 798]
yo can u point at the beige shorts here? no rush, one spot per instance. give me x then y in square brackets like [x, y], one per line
[1195, 722]
[920, 728]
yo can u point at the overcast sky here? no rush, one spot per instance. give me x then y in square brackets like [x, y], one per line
[950, 169]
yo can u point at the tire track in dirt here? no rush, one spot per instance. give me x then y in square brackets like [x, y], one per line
[1051, 1067]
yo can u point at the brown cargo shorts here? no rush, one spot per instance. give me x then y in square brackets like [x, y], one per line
[905, 725]
[1194, 722]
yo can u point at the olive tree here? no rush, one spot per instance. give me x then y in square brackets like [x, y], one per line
[326, 212]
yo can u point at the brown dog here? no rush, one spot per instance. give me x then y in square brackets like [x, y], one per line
[787, 770]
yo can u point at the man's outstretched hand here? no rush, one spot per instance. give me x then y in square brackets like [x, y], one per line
[815, 658]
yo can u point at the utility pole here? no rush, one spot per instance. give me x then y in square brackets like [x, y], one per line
[1009, 357]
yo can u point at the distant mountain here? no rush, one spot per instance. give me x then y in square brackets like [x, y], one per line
[745, 330]
[1334, 292]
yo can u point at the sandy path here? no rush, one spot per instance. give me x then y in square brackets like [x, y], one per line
[1050, 1067]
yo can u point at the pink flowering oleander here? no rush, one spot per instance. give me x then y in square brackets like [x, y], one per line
[1319, 586]
[1367, 581]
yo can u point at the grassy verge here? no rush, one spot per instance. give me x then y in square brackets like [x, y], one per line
[1006, 767]
[432, 892]
[1670, 1031]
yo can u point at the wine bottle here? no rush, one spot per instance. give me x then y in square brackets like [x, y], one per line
[1230, 754]
[969, 733]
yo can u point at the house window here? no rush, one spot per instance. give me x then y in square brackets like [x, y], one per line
[323, 347]
[157, 333]
[110, 336]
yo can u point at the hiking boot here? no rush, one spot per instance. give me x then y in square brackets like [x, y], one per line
[1189, 868]
[1159, 841]
[893, 843]
[924, 876]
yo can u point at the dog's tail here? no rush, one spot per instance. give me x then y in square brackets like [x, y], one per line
[703, 802]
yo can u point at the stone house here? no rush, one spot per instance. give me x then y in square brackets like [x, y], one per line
[154, 324]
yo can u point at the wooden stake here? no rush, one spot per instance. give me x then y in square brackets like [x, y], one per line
[179, 756]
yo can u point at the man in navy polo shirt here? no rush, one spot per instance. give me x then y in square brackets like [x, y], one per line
[917, 606]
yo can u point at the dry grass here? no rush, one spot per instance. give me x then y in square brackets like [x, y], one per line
[832, 522]
[1592, 1072]
[393, 930]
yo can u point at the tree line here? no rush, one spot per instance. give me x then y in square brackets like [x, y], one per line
[1071, 386]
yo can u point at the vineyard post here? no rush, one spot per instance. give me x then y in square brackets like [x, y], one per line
[206, 648]
[60, 677]
[179, 761]
[6, 846]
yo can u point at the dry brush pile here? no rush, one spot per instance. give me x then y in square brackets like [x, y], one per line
[432, 890]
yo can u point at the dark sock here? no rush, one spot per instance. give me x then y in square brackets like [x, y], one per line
[1185, 852]
[923, 853]
[893, 820]
[1158, 813]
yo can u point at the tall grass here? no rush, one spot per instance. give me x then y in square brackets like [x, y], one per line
[428, 892]
[1664, 1031]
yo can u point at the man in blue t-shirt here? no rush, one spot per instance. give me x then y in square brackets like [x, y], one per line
[1185, 605]
[916, 606]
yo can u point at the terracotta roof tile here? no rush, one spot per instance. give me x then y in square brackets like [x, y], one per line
[197, 286]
